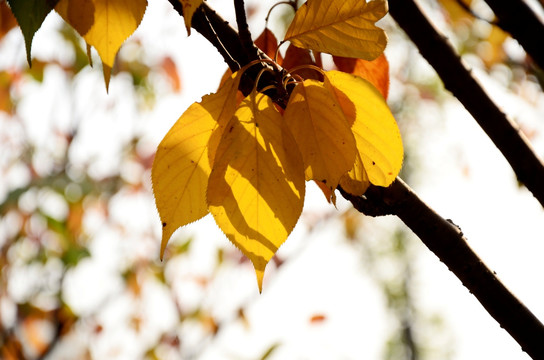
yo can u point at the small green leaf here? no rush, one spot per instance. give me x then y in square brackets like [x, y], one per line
[30, 15]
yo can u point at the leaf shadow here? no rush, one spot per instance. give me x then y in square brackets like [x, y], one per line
[279, 170]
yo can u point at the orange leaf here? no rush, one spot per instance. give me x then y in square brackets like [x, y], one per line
[268, 43]
[170, 69]
[295, 56]
[7, 20]
[376, 71]
[327, 191]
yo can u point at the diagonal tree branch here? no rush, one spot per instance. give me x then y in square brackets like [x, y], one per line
[517, 18]
[504, 133]
[441, 236]
[446, 240]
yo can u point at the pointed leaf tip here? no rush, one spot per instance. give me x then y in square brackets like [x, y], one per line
[256, 188]
[104, 24]
[183, 160]
[30, 15]
[189, 8]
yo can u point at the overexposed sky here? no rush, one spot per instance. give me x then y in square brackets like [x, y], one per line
[460, 174]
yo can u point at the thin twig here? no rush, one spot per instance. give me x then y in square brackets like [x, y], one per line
[243, 30]
[208, 24]
[504, 133]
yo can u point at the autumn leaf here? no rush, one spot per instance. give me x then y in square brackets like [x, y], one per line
[268, 43]
[296, 57]
[322, 132]
[356, 181]
[375, 71]
[256, 188]
[104, 24]
[189, 8]
[30, 15]
[183, 163]
[7, 20]
[170, 69]
[327, 191]
[377, 135]
[340, 27]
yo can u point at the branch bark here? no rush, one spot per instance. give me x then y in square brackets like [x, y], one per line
[504, 133]
[243, 29]
[441, 236]
[447, 242]
[517, 18]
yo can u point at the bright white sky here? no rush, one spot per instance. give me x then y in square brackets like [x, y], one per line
[461, 175]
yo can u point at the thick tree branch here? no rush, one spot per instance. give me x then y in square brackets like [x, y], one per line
[441, 236]
[504, 133]
[446, 241]
[517, 18]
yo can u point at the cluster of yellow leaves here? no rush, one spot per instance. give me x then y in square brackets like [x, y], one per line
[104, 24]
[246, 162]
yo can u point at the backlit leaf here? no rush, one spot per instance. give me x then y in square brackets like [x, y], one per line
[256, 188]
[375, 71]
[189, 8]
[356, 180]
[104, 24]
[340, 27]
[295, 57]
[30, 15]
[376, 132]
[182, 163]
[268, 43]
[322, 132]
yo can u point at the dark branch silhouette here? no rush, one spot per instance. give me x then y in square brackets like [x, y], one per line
[504, 133]
[446, 240]
[441, 236]
[517, 18]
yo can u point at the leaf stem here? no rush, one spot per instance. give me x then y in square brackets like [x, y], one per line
[293, 4]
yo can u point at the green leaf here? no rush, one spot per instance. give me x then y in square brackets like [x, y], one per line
[30, 15]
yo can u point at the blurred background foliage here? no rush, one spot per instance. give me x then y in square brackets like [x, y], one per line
[79, 235]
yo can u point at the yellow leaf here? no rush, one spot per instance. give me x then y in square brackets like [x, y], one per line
[376, 132]
[340, 27]
[322, 132]
[256, 188]
[182, 163]
[104, 24]
[356, 180]
[189, 8]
